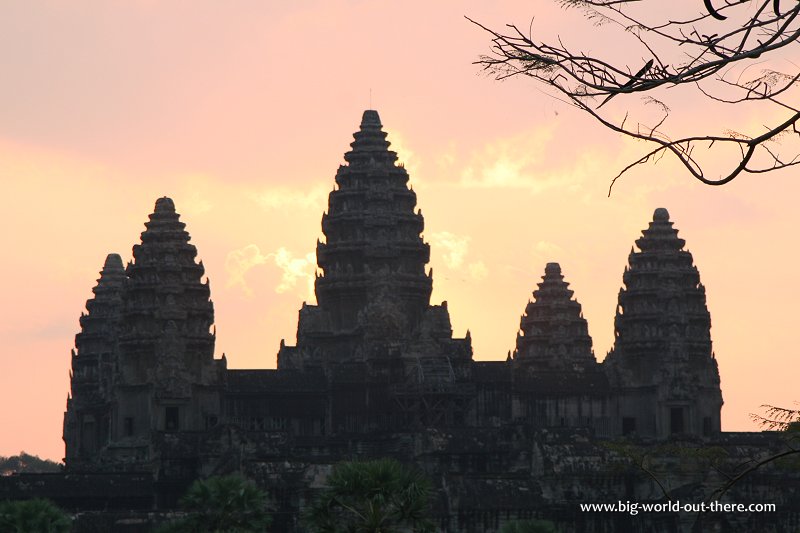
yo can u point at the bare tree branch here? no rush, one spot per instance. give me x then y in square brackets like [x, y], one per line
[710, 51]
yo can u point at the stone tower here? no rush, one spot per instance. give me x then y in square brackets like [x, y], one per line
[373, 285]
[167, 378]
[662, 365]
[373, 322]
[557, 381]
[373, 247]
[553, 333]
[87, 422]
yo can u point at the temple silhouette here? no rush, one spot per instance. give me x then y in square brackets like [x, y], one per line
[374, 355]
[376, 371]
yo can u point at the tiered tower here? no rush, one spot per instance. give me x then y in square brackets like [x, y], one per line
[373, 248]
[88, 417]
[168, 379]
[374, 322]
[553, 333]
[662, 364]
[373, 285]
[556, 380]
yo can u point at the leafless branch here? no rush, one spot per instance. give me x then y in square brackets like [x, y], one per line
[710, 51]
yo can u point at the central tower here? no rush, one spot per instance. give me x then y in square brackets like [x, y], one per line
[384, 349]
[373, 249]
[373, 292]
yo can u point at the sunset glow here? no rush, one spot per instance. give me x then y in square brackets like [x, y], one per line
[241, 112]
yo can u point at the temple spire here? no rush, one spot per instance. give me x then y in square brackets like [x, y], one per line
[166, 342]
[554, 334]
[165, 289]
[662, 350]
[370, 147]
[660, 235]
[372, 285]
[373, 245]
[371, 120]
[94, 359]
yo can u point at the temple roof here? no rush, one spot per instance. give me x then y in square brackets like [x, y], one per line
[554, 333]
[112, 264]
[167, 308]
[165, 205]
[660, 235]
[266, 381]
[370, 145]
[491, 372]
[107, 293]
[562, 382]
[370, 119]
[662, 322]
[373, 248]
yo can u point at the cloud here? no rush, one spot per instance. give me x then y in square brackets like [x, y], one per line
[286, 197]
[454, 247]
[405, 155]
[513, 162]
[239, 262]
[196, 204]
[478, 271]
[548, 250]
[453, 250]
[293, 269]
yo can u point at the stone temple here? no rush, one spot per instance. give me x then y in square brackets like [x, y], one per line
[375, 371]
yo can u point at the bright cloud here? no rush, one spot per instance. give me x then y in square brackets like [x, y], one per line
[513, 162]
[478, 271]
[547, 250]
[406, 157]
[294, 270]
[285, 197]
[452, 247]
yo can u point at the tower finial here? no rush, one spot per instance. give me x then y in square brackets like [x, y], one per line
[165, 205]
[371, 120]
[661, 215]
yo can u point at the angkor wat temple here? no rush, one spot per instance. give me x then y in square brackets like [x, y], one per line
[376, 371]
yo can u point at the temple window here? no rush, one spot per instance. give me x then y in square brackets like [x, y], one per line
[171, 419]
[628, 425]
[127, 426]
[707, 426]
[676, 420]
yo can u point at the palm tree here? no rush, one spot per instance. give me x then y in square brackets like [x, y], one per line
[222, 504]
[33, 516]
[380, 496]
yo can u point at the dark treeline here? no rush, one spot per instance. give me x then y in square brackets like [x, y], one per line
[26, 463]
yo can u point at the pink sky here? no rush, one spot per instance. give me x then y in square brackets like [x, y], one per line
[241, 111]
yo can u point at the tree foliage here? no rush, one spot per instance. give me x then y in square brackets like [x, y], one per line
[380, 496]
[33, 516]
[729, 53]
[25, 462]
[778, 418]
[223, 504]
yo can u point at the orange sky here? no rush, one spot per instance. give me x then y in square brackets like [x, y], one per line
[241, 111]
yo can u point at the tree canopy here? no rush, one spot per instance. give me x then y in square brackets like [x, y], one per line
[33, 516]
[226, 504]
[380, 496]
[25, 462]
